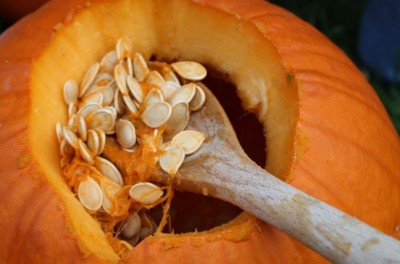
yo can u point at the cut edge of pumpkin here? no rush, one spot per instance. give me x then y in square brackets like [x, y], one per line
[263, 72]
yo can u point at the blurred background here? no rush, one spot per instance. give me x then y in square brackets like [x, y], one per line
[367, 30]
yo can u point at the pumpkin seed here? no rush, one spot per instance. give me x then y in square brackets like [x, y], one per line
[135, 88]
[129, 104]
[108, 94]
[102, 140]
[170, 76]
[140, 68]
[65, 148]
[88, 78]
[198, 100]
[59, 132]
[88, 109]
[189, 140]
[92, 98]
[70, 136]
[131, 225]
[190, 70]
[120, 76]
[184, 94]
[126, 133]
[70, 92]
[85, 152]
[129, 64]
[171, 159]
[109, 170]
[102, 119]
[145, 193]
[178, 120]
[123, 48]
[72, 109]
[82, 131]
[153, 96]
[168, 88]
[109, 61]
[118, 102]
[90, 194]
[154, 77]
[156, 114]
[93, 142]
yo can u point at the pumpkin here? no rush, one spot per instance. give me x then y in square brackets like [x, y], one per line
[327, 133]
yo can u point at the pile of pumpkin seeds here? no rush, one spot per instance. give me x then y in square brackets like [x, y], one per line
[122, 90]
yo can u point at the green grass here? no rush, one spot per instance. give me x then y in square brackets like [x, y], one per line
[339, 20]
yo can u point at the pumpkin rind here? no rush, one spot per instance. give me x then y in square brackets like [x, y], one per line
[345, 151]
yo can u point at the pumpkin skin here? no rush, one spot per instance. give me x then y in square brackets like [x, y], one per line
[333, 140]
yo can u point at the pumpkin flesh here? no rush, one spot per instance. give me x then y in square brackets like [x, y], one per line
[273, 82]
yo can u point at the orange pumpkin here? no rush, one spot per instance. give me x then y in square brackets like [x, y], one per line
[327, 132]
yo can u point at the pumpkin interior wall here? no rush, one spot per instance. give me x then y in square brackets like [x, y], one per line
[175, 30]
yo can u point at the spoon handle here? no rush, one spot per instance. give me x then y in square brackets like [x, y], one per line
[327, 230]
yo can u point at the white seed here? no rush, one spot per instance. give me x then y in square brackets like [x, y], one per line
[102, 119]
[198, 99]
[82, 131]
[170, 76]
[88, 109]
[102, 140]
[190, 70]
[70, 92]
[172, 159]
[132, 225]
[189, 140]
[88, 78]
[154, 77]
[70, 136]
[90, 194]
[71, 122]
[140, 67]
[111, 110]
[118, 102]
[126, 133]
[156, 114]
[130, 66]
[135, 88]
[178, 120]
[153, 96]
[129, 104]
[59, 132]
[72, 109]
[109, 61]
[123, 48]
[109, 170]
[108, 94]
[148, 225]
[102, 79]
[85, 152]
[184, 94]
[120, 76]
[145, 193]
[92, 98]
[168, 89]
[93, 142]
[65, 148]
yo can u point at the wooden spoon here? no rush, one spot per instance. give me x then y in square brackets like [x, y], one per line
[223, 170]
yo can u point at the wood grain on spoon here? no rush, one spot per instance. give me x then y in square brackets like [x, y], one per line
[222, 170]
